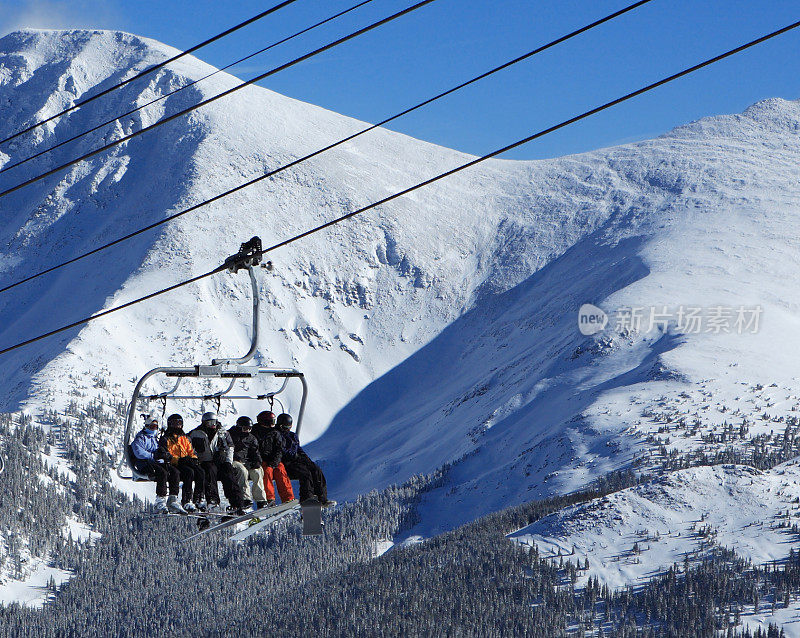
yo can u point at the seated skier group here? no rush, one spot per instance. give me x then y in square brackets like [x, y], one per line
[265, 453]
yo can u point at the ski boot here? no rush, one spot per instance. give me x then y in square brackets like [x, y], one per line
[174, 507]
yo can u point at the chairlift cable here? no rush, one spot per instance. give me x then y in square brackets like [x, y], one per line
[320, 151]
[181, 88]
[462, 167]
[225, 93]
[535, 136]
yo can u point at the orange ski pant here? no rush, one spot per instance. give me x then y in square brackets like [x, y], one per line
[277, 474]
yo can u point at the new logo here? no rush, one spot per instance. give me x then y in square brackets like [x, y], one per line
[591, 319]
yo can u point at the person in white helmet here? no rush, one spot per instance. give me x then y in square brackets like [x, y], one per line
[215, 449]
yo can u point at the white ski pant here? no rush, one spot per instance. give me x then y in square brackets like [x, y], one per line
[244, 477]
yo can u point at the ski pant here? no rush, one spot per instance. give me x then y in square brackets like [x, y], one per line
[210, 479]
[230, 483]
[312, 480]
[192, 475]
[246, 475]
[281, 478]
[163, 472]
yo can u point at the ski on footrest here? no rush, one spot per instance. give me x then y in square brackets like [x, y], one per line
[265, 522]
[264, 511]
[206, 515]
[196, 514]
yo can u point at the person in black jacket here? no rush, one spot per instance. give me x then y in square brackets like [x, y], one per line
[214, 448]
[271, 442]
[299, 466]
[247, 461]
[202, 439]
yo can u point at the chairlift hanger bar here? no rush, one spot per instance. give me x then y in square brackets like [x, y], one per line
[249, 257]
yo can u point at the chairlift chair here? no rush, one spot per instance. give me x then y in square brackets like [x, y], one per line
[230, 369]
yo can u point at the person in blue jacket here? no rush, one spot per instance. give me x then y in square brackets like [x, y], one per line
[149, 458]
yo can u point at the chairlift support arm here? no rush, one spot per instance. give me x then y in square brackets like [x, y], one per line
[249, 256]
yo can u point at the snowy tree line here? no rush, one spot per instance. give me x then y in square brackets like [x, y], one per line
[34, 499]
[139, 579]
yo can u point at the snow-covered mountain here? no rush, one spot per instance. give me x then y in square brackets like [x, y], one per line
[630, 536]
[439, 329]
[344, 306]
[523, 405]
[676, 521]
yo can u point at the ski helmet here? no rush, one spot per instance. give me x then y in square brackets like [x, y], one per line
[175, 421]
[150, 421]
[209, 416]
[244, 422]
[284, 421]
[266, 418]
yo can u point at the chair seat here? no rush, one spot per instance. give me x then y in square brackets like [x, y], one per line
[136, 475]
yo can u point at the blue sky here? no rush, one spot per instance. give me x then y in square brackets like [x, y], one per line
[451, 40]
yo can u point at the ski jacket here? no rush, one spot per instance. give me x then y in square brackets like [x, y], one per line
[291, 445]
[271, 444]
[245, 448]
[222, 447]
[177, 445]
[144, 444]
[203, 442]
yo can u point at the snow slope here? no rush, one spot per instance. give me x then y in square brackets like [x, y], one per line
[36, 588]
[344, 305]
[439, 329]
[523, 405]
[633, 535]
[630, 536]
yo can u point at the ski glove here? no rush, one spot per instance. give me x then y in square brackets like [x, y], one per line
[160, 454]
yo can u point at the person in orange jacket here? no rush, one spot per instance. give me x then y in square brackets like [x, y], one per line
[185, 459]
[271, 442]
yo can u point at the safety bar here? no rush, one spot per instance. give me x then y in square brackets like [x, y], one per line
[168, 393]
[208, 397]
